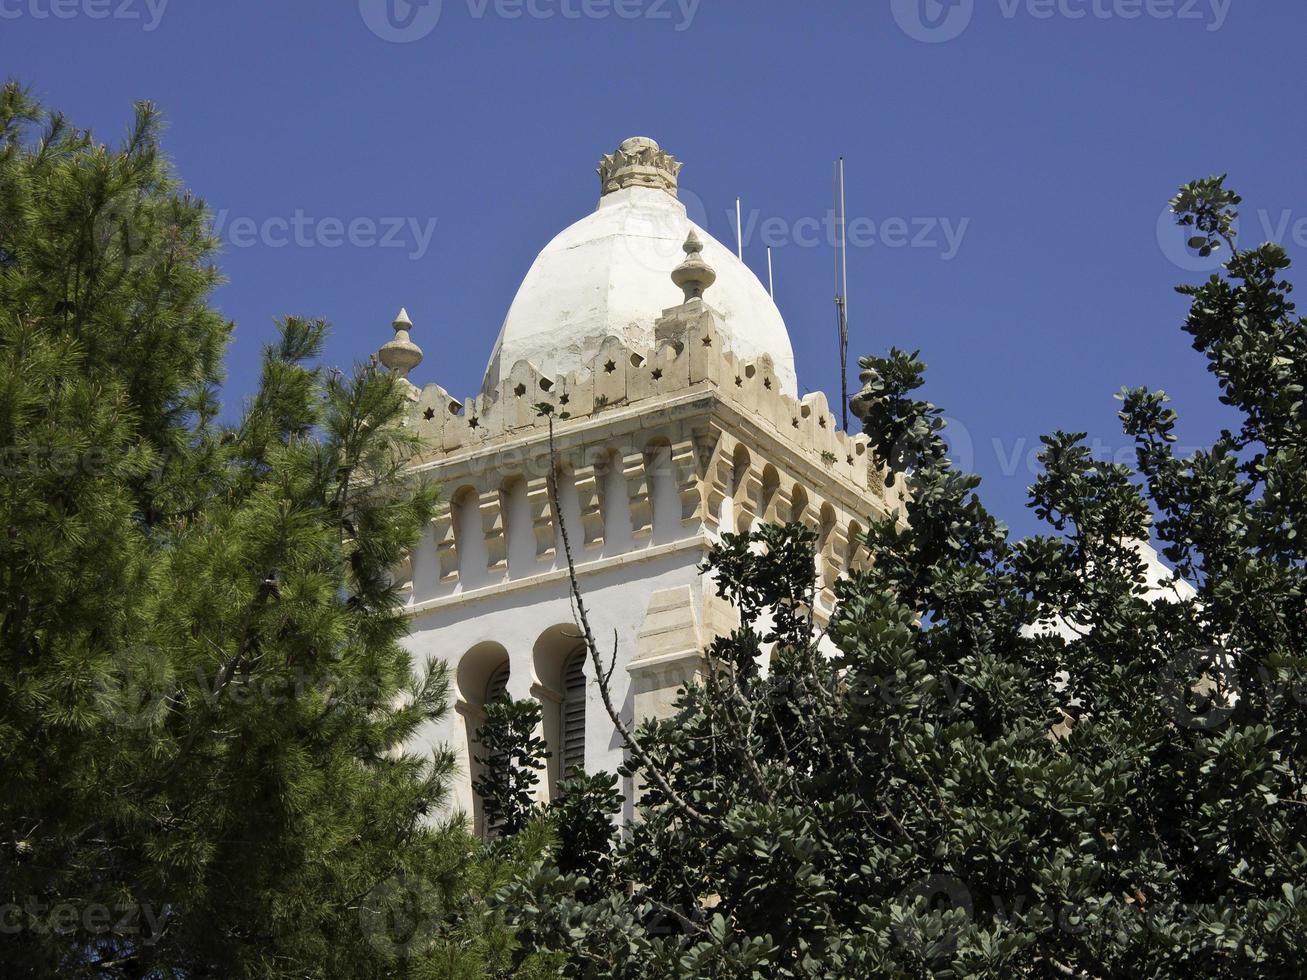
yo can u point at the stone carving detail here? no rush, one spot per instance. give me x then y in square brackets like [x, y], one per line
[684, 360]
[492, 529]
[400, 355]
[402, 576]
[778, 507]
[542, 517]
[446, 547]
[685, 466]
[830, 562]
[703, 403]
[637, 487]
[694, 275]
[717, 482]
[586, 480]
[639, 162]
[746, 494]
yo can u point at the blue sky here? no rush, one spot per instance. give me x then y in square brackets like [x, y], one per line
[1007, 161]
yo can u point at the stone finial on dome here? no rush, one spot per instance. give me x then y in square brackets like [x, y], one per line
[400, 354]
[694, 275]
[638, 162]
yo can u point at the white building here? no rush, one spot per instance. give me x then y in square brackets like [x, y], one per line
[676, 371]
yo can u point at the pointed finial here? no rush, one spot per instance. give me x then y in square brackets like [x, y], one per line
[694, 275]
[400, 354]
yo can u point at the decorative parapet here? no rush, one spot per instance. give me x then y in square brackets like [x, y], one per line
[690, 354]
[684, 433]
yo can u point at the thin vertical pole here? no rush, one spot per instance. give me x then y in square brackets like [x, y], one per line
[771, 281]
[841, 288]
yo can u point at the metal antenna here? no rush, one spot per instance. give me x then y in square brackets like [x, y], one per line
[771, 282]
[841, 291]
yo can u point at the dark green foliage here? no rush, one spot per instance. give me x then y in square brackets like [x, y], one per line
[583, 818]
[513, 755]
[1013, 758]
[202, 681]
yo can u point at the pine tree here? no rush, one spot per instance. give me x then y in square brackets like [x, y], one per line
[203, 686]
[1013, 758]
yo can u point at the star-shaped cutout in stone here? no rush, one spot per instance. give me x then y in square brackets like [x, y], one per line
[610, 367]
[429, 414]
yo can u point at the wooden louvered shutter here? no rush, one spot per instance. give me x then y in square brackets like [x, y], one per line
[572, 736]
[497, 686]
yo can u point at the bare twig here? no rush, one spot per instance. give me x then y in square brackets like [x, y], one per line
[602, 676]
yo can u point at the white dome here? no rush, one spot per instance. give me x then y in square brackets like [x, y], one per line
[610, 275]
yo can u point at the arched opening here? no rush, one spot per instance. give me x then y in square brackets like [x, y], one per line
[559, 662]
[741, 517]
[826, 528]
[665, 505]
[771, 485]
[569, 503]
[615, 503]
[465, 507]
[827, 567]
[571, 734]
[853, 556]
[798, 505]
[497, 685]
[519, 534]
[482, 677]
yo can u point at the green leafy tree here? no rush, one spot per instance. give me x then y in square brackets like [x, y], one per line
[513, 757]
[583, 817]
[1010, 757]
[202, 681]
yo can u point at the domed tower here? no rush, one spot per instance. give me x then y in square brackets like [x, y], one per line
[670, 376]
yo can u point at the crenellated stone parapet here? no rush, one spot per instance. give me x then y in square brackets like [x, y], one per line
[689, 356]
[654, 449]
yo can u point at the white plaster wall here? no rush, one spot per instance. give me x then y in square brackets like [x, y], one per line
[616, 598]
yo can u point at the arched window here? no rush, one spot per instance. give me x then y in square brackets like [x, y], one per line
[741, 506]
[798, 505]
[497, 685]
[469, 538]
[571, 735]
[853, 558]
[664, 501]
[771, 485]
[614, 502]
[481, 677]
